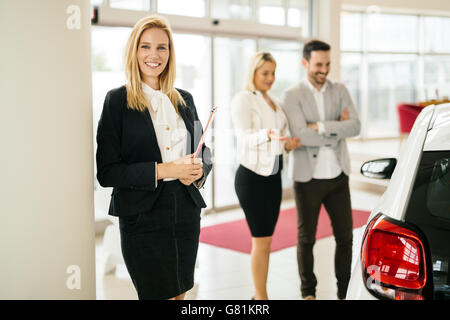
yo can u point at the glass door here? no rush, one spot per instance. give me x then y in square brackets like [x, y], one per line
[231, 58]
[193, 56]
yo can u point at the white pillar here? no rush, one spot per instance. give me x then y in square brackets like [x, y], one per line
[47, 240]
[327, 28]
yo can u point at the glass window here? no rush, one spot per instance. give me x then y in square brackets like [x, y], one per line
[392, 80]
[351, 75]
[231, 9]
[271, 12]
[299, 15]
[351, 31]
[96, 3]
[193, 8]
[194, 70]
[438, 193]
[231, 59]
[194, 75]
[390, 32]
[130, 4]
[436, 30]
[394, 33]
[289, 68]
[108, 47]
[437, 77]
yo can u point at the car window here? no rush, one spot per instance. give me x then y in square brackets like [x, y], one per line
[438, 193]
[429, 210]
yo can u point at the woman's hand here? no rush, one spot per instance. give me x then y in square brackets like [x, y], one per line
[187, 169]
[195, 173]
[292, 143]
[273, 135]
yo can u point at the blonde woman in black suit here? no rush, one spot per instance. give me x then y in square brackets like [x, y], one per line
[146, 135]
[261, 131]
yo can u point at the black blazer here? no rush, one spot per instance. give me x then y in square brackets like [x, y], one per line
[128, 151]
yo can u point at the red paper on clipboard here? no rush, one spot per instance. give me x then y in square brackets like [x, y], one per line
[200, 143]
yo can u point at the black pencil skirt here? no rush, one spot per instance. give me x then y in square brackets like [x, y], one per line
[160, 247]
[260, 198]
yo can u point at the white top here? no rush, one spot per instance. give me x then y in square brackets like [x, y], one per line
[169, 127]
[327, 166]
[252, 116]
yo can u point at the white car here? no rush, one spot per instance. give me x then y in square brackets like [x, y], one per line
[405, 249]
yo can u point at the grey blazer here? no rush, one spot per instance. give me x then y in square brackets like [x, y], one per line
[300, 108]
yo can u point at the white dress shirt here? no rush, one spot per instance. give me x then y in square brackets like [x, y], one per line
[169, 127]
[327, 164]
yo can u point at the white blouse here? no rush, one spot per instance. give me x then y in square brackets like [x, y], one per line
[169, 127]
[252, 116]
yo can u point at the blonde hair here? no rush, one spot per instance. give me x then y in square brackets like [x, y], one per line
[256, 62]
[136, 98]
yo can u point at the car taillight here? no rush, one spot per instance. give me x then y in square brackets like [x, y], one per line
[393, 260]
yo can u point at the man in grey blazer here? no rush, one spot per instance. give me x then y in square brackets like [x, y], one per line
[322, 114]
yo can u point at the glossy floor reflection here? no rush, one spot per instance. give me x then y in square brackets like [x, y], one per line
[223, 274]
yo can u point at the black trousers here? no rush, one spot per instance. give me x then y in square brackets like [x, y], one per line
[334, 194]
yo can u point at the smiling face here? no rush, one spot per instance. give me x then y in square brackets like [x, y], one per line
[153, 55]
[264, 76]
[317, 67]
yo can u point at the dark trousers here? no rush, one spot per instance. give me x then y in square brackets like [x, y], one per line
[334, 194]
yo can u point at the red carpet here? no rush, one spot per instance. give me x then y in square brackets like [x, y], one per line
[235, 235]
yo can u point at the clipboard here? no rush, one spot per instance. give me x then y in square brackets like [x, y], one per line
[200, 143]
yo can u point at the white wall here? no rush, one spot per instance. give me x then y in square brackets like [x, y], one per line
[47, 244]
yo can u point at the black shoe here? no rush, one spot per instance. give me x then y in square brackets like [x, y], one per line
[341, 296]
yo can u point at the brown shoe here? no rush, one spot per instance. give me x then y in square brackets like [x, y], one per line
[309, 298]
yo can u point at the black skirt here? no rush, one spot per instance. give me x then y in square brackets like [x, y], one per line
[260, 198]
[160, 247]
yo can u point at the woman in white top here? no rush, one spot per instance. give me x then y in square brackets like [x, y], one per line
[262, 137]
[146, 137]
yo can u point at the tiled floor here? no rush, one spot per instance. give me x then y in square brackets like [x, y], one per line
[223, 274]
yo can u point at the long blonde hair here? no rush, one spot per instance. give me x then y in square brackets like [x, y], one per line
[256, 62]
[136, 99]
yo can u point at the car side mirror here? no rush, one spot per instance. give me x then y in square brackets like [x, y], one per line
[379, 168]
